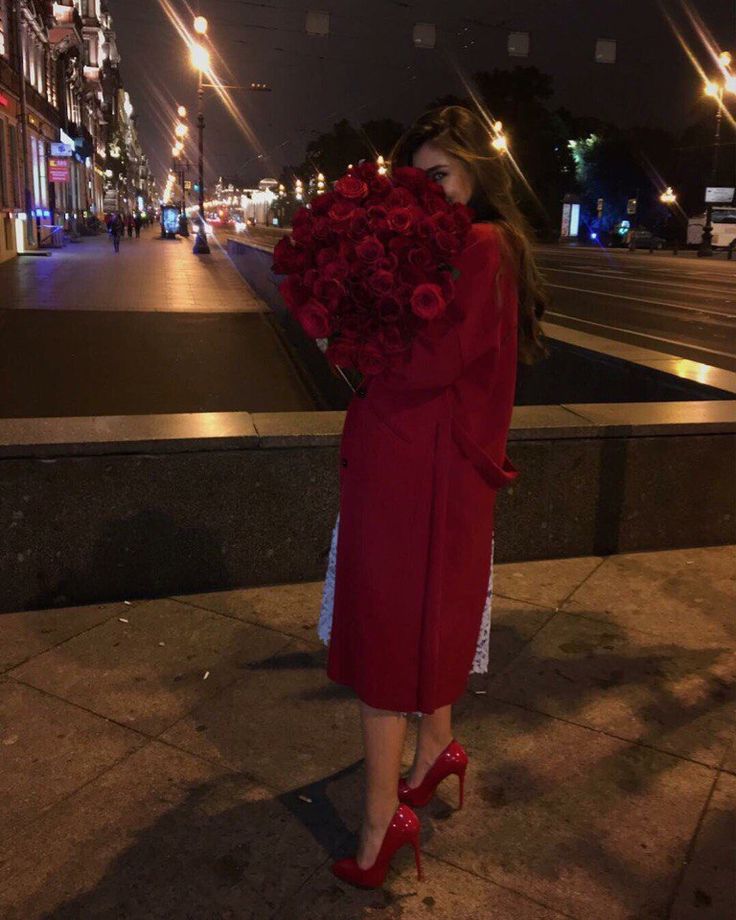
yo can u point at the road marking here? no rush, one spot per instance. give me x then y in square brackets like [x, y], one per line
[661, 303]
[645, 335]
[676, 284]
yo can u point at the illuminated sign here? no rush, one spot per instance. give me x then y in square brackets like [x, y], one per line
[61, 150]
[65, 139]
[4, 101]
[58, 170]
[719, 195]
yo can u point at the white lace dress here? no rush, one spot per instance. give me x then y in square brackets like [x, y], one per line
[324, 627]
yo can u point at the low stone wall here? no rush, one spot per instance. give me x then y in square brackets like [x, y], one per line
[102, 509]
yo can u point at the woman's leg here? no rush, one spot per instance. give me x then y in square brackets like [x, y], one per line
[435, 733]
[384, 733]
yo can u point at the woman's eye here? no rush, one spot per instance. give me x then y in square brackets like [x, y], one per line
[438, 176]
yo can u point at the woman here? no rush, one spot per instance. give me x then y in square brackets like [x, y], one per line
[423, 455]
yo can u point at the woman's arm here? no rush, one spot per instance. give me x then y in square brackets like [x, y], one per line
[445, 347]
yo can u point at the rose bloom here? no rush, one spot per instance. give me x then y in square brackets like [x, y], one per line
[341, 210]
[341, 352]
[400, 219]
[337, 269]
[382, 281]
[287, 258]
[371, 359]
[351, 187]
[370, 249]
[446, 242]
[390, 339]
[420, 257]
[321, 204]
[427, 301]
[315, 319]
[294, 292]
[389, 309]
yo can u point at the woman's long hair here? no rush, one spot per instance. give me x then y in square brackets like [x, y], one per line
[462, 134]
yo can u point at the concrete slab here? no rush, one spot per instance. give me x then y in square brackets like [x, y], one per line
[162, 835]
[292, 609]
[285, 698]
[48, 749]
[299, 429]
[676, 698]
[582, 822]
[23, 635]
[545, 582]
[684, 595]
[696, 416]
[445, 892]
[708, 888]
[147, 673]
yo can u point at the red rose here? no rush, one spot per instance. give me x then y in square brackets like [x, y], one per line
[341, 352]
[381, 281]
[379, 186]
[329, 291]
[400, 198]
[321, 204]
[351, 187]
[341, 210]
[294, 292]
[389, 309]
[370, 249]
[427, 301]
[315, 319]
[337, 269]
[390, 339]
[321, 228]
[446, 243]
[410, 177]
[400, 219]
[371, 359]
[389, 262]
[287, 257]
[420, 257]
[359, 226]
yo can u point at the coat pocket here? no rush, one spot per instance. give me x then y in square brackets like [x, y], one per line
[497, 477]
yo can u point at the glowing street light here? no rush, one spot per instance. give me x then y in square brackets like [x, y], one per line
[668, 196]
[176, 149]
[381, 166]
[200, 25]
[499, 142]
[182, 111]
[181, 131]
[200, 58]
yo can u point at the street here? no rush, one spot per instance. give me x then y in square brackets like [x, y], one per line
[676, 304]
[153, 329]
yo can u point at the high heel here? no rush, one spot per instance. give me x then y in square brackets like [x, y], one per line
[403, 829]
[453, 759]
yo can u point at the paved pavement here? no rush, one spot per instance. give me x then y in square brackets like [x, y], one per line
[676, 304]
[153, 329]
[187, 757]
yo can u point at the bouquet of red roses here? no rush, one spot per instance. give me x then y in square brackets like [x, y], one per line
[367, 264]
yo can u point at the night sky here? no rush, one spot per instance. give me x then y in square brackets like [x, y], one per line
[368, 67]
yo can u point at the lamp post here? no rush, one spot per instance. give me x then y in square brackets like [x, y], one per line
[716, 90]
[201, 60]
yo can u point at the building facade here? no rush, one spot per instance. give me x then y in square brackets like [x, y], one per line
[69, 147]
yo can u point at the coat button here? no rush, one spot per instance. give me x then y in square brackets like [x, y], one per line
[344, 461]
[361, 391]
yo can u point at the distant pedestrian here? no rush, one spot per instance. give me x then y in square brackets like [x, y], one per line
[131, 226]
[115, 229]
[138, 224]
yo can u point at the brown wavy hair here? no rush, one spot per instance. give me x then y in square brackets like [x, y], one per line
[462, 134]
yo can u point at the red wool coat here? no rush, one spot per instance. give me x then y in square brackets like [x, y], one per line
[423, 455]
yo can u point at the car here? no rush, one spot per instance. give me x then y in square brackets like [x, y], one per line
[639, 239]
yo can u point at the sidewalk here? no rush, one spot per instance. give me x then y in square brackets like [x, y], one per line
[188, 757]
[152, 330]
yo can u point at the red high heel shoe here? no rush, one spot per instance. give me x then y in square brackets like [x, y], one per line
[403, 829]
[453, 759]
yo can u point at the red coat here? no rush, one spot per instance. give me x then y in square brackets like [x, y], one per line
[423, 454]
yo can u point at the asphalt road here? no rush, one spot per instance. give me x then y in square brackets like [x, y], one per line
[680, 305]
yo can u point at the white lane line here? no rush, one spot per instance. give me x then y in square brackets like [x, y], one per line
[644, 335]
[675, 284]
[661, 303]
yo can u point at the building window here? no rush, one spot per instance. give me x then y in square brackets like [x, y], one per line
[14, 195]
[3, 166]
[4, 28]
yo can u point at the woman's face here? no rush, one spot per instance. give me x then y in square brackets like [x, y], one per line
[449, 171]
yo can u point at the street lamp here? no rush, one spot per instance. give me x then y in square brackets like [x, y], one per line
[668, 196]
[201, 61]
[181, 111]
[716, 90]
